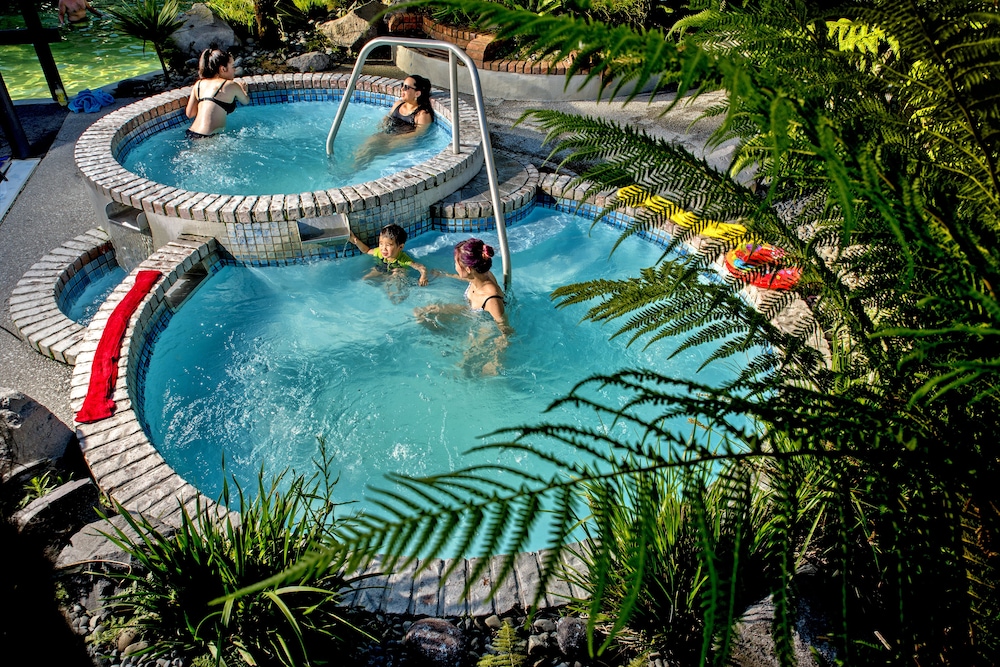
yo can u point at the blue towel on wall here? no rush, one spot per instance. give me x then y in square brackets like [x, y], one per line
[89, 101]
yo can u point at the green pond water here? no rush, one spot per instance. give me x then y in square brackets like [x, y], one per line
[92, 54]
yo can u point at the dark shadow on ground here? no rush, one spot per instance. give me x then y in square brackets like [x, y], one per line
[41, 123]
[35, 631]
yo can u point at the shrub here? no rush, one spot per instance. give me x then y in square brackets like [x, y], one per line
[237, 13]
[175, 599]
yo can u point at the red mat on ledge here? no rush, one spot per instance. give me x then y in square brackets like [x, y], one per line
[99, 403]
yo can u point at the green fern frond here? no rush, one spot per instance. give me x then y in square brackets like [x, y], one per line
[510, 650]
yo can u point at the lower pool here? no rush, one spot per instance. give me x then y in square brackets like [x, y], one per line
[91, 54]
[261, 362]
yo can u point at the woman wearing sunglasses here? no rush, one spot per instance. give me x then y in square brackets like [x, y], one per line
[410, 116]
[413, 108]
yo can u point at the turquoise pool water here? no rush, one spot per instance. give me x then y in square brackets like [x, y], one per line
[86, 304]
[92, 54]
[261, 362]
[279, 149]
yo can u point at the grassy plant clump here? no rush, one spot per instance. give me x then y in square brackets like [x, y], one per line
[173, 599]
[675, 542]
[239, 14]
[39, 486]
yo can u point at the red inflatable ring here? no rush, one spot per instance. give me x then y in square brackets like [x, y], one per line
[758, 265]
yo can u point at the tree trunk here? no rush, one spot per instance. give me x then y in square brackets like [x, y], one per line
[265, 14]
[163, 63]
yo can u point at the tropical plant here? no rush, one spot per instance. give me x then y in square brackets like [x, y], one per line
[637, 14]
[868, 150]
[171, 597]
[151, 21]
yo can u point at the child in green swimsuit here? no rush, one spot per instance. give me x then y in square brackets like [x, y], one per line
[389, 253]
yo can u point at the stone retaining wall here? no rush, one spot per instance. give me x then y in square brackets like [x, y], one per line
[482, 48]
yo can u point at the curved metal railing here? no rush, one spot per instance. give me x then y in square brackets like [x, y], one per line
[454, 55]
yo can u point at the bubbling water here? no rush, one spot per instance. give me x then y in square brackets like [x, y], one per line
[280, 149]
[262, 362]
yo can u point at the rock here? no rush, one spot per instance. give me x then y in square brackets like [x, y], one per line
[571, 635]
[435, 641]
[354, 29]
[69, 506]
[494, 622]
[134, 648]
[202, 30]
[126, 638]
[138, 87]
[544, 625]
[538, 644]
[89, 544]
[29, 430]
[753, 643]
[313, 61]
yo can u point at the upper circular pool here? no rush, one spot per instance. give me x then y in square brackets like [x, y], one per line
[281, 149]
[260, 227]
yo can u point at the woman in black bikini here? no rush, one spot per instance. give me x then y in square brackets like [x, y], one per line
[473, 261]
[413, 108]
[410, 116]
[214, 94]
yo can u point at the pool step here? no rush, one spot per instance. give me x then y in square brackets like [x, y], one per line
[470, 208]
[325, 229]
[185, 286]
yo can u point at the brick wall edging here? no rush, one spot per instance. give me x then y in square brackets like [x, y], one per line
[480, 47]
[34, 303]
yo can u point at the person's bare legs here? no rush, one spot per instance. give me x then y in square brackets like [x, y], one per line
[439, 315]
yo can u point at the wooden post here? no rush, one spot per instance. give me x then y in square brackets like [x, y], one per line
[40, 37]
[11, 125]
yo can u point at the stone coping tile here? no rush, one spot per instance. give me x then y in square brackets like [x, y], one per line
[98, 148]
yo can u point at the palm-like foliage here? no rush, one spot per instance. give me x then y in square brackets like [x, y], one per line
[151, 21]
[873, 128]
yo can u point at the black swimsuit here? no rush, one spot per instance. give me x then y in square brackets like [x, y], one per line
[400, 124]
[487, 300]
[228, 107]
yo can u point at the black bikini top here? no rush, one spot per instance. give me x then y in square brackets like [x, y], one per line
[228, 107]
[400, 123]
[408, 119]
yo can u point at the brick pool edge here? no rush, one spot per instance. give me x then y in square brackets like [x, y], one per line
[265, 228]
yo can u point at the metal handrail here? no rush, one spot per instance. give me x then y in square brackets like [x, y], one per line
[454, 55]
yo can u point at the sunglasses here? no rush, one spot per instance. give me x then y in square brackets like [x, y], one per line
[408, 87]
